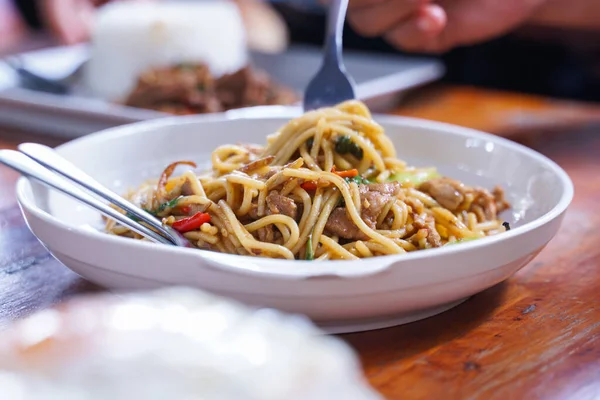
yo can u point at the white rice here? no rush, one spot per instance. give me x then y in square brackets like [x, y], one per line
[130, 37]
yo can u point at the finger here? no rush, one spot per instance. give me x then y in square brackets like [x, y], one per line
[377, 19]
[363, 3]
[421, 32]
[68, 19]
[470, 22]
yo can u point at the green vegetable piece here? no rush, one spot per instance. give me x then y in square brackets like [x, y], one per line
[309, 249]
[414, 177]
[345, 145]
[358, 180]
[462, 240]
[164, 206]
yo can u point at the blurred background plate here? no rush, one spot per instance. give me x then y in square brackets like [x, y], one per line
[381, 80]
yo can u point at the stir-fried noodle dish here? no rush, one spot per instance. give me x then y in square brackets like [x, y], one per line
[328, 185]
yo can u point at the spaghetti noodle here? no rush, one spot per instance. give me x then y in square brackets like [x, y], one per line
[328, 185]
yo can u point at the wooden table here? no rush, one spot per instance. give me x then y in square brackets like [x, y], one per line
[536, 336]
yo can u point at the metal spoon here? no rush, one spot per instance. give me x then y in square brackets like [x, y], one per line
[50, 159]
[26, 166]
[33, 81]
[332, 84]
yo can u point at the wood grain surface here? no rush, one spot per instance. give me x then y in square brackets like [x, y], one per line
[535, 336]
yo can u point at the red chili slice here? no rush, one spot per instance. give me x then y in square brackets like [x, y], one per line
[309, 185]
[191, 223]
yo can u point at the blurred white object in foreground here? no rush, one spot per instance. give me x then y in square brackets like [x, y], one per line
[173, 344]
[130, 37]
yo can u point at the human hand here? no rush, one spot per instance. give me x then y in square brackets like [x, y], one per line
[421, 25]
[69, 20]
[266, 30]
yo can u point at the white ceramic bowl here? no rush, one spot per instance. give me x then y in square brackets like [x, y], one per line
[340, 296]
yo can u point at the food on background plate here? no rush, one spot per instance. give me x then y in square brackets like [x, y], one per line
[173, 343]
[130, 38]
[328, 185]
[192, 89]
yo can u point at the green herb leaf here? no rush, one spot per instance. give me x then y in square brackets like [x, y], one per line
[309, 249]
[358, 180]
[164, 206]
[345, 145]
[310, 142]
[506, 225]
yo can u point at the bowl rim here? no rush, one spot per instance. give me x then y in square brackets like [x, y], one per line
[295, 269]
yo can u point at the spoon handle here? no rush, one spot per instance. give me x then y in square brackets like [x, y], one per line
[34, 81]
[28, 167]
[55, 162]
[336, 16]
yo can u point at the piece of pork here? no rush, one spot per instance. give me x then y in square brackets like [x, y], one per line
[448, 192]
[256, 164]
[501, 202]
[279, 204]
[250, 87]
[390, 188]
[374, 197]
[266, 234]
[340, 224]
[487, 202]
[451, 194]
[428, 223]
[276, 204]
[182, 89]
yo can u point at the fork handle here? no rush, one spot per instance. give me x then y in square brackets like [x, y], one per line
[26, 166]
[48, 157]
[335, 28]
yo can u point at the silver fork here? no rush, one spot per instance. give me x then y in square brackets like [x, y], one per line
[45, 165]
[332, 84]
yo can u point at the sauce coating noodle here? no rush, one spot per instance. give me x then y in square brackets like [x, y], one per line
[328, 185]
